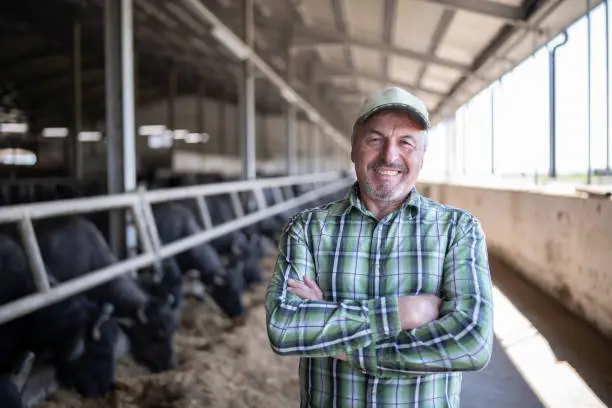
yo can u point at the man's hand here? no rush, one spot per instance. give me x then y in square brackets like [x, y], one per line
[309, 290]
[417, 310]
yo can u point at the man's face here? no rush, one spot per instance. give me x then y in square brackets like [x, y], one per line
[388, 152]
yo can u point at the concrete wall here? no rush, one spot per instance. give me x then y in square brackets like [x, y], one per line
[563, 244]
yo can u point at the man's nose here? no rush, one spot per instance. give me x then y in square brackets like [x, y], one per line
[390, 152]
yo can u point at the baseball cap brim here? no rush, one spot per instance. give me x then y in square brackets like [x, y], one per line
[416, 114]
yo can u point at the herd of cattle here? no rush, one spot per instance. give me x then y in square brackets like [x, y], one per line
[78, 336]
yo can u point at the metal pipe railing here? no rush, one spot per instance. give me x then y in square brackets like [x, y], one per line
[75, 206]
[182, 193]
[153, 251]
[227, 227]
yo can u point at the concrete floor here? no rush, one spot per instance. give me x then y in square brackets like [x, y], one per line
[572, 342]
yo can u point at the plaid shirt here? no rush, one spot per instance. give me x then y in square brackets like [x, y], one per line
[362, 265]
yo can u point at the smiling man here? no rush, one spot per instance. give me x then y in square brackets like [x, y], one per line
[385, 295]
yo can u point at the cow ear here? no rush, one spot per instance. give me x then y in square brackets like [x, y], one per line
[158, 273]
[22, 371]
[125, 322]
[236, 249]
[219, 281]
[96, 333]
[105, 315]
[142, 315]
[238, 269]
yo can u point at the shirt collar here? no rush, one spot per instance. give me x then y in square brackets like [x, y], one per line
[412, 203]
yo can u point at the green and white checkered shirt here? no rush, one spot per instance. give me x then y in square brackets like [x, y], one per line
[362, 265]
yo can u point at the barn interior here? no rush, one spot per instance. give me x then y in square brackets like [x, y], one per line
[107, 102]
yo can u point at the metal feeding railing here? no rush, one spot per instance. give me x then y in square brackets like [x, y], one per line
[152, 251]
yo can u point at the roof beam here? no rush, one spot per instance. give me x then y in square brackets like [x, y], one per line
[309, 38]
[325, 74]
[503, 36]
[341, 25]
[389, 20]
[286, 90]
[441, 29]
[487, 8]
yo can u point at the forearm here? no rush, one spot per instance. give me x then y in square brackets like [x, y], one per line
[456, 342]
[321, 329]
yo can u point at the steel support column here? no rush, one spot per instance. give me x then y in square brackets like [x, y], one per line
[77, 162]
[607, 10]
[199, 114]
[552, 100]
[222, 134]
[247, 105]
[314, 126]
[129, 121]
[493, 129]
[316, 148]
[172, 89]
[589, 63]
[291, 122]
[119, 71]
[112, 31]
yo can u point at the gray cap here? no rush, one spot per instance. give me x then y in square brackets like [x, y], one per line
[394, 98]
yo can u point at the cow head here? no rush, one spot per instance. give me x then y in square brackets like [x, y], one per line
[165, 285]
[150, 334]
[226, 290]
[192, 285]
[93, 373]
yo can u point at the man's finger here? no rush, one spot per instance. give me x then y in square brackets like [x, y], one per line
[310, 283]
[313, 285]
[304, 293]
[295, 283]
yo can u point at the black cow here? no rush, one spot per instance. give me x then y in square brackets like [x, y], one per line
[55, 330]
[55, 333]
[72, 247]
[92, 374]
[9, 394]
[227, 244]
[245, 246]
[11, 385]
[175, 222]
[167, 285]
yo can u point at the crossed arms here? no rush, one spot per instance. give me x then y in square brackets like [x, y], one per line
[390, 335]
